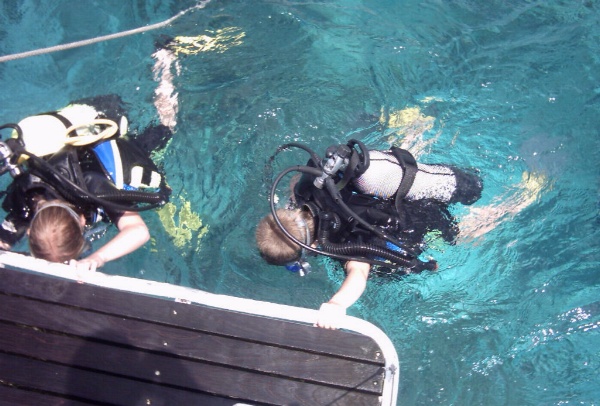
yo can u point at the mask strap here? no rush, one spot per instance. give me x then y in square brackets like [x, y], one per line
[300, 265]
[300, 222]
[64, 206]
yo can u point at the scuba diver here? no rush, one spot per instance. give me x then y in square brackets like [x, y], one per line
[368, 208]
[72, 169]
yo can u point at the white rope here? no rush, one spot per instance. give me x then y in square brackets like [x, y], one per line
[85, 42]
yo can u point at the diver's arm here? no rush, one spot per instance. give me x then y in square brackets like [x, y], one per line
[133, 233]
[353, 287]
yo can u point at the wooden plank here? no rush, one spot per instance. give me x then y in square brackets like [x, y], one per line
[148, 345]
[199, 318]
[89, 355]
[86, 386]
[220, 350]
[11, 396]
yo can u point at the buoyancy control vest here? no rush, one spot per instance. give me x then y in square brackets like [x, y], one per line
[344, 234]
[383, 196]
[111, 173]
[408, 222]
[393, 193]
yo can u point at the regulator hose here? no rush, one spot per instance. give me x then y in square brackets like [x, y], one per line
[354, 249]
[337, 197]
[402, 261]
[366, 249]
[131, 196]
[365, 159]
[404, 257]
[313, 155]
[106, 200]
[17, 129]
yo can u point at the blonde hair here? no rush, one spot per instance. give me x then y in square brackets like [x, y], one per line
[274, 246]
[56, 233]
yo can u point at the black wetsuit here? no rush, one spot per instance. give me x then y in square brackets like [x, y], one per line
[408, 217]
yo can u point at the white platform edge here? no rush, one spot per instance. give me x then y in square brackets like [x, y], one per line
[241, 305]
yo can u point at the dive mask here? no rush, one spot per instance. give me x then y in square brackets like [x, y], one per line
[301, 266]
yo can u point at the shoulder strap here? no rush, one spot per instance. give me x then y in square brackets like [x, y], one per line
[66, 163]
[409, 167]
[58, 116]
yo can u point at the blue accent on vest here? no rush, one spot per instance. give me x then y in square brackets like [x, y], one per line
[391, 246]
[105, 155]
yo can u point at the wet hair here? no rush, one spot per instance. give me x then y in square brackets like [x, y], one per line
[55, 233]
[274, 246]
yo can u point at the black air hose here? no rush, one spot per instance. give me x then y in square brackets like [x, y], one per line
[77, 193]
[131, 196]
[367, 250]
[361, 249]
[403, 260]
[335, 194]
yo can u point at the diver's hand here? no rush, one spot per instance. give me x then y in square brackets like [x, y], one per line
[4, 246]
[94, 261]
[86, 264]
[330, 315]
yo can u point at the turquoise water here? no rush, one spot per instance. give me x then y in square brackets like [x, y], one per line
[508, 87]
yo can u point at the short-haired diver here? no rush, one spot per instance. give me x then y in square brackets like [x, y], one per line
[370, 209]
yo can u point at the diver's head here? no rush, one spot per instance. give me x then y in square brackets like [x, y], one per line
[56, 232]
[275, 247]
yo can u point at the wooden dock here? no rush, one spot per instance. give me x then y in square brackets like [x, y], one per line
[64, 341]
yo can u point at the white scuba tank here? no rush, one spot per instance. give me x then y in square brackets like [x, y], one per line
[46, 134]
